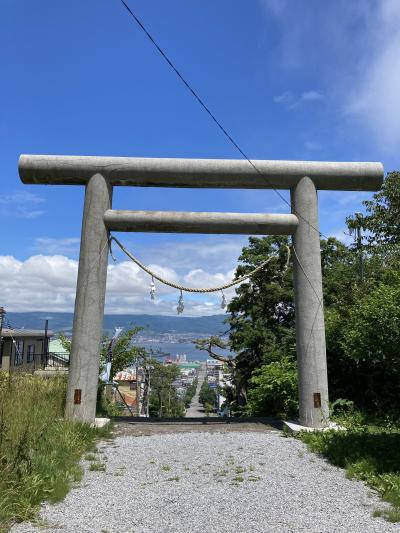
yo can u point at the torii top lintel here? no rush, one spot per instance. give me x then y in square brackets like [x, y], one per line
[199, 173]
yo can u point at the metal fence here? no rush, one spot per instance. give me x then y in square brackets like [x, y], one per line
[53, 360]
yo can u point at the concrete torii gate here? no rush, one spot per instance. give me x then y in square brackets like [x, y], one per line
[100, 174]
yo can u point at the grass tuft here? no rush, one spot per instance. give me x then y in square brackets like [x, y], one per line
[97, 467]
[39, 451]
[90, 457]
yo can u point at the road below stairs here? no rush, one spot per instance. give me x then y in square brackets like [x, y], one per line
[196, 409]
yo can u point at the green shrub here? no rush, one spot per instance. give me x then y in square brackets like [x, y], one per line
[208, 409]
[273, 390]
[39, 451]
[341, 406]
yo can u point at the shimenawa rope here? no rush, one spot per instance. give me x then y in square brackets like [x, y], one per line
[194, 289]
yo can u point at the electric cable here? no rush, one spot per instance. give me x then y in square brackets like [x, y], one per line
[211, 114]
[229, 137]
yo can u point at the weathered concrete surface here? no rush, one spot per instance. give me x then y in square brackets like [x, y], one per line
[310, 325]
[101, 422]
[89, 303]
[222, 173]
[196, 222]
[295, 427]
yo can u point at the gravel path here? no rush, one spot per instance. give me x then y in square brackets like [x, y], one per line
[221, 482]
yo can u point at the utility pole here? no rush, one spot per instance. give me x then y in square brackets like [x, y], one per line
[148, 394]
[46, 344]
[137, 389]
[358, 241]
[2, 313]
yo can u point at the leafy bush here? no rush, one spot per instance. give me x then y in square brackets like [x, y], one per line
[273, 390]
[39, 451]
[341, 406]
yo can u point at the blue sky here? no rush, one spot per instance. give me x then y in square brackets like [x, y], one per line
[289, 79]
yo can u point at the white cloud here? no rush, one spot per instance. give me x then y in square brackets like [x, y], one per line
[214, 253]
[374, 99]
[48, 245]
[292, 101]
[276, 6]
[21, 204]
[343, 236]
[356, 46]
[47, 283]
[311, 145]
[352, 199]
[311, 96]
[286, 97]
[38, 283]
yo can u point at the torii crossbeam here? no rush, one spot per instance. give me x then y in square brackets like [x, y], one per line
[100, 174]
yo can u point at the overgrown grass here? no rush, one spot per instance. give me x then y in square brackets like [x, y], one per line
[369, 452]
[39, 451]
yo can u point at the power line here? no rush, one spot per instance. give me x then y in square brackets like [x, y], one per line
[211, 115]
[233, 142]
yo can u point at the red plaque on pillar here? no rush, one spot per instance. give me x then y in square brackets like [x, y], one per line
[77, 396]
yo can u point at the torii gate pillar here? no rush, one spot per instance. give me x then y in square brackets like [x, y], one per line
[89, 303]
[310, 325]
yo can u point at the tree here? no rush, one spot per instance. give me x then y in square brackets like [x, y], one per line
[190, 392]
[361, 315]
[339, 273]
[65, 342]
[370, 341]
[262, 312]
[383, 217]
[124, 352]
[207, 396]
[233, 391]
[164, 400]
[262, 317]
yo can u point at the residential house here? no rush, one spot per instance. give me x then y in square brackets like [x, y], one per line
[23, 349]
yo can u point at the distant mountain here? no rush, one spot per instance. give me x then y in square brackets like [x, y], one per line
[207, 325]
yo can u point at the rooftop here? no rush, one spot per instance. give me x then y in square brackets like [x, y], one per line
[17, 333]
